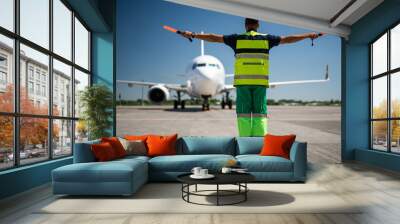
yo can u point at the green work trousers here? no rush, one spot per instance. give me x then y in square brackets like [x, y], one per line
[251, 110]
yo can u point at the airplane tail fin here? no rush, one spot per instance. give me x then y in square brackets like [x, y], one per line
[202, 45]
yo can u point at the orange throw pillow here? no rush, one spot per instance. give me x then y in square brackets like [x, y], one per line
[277, 145]
[161, 145]
[136, 137]
[103, 152]
[116, 145]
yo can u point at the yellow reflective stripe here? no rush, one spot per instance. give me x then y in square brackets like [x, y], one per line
[251, 66]
[252, 55]
[251, 77]
[261, 82]
[252, 44]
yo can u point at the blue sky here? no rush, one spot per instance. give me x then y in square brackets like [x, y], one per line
[147, 52]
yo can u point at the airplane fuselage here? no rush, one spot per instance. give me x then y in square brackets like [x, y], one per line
[206, 76]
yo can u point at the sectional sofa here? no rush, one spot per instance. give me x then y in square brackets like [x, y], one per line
[125, 176]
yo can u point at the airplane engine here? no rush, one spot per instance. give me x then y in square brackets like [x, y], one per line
[158, 94]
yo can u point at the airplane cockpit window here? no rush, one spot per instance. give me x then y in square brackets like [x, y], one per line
[198, 65]
[214, 65]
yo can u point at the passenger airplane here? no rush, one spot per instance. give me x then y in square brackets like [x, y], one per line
[206, 79]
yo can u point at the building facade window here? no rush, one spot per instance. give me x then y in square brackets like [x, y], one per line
[44, 105]
[3, 78]
[385, 91]
[30, 87]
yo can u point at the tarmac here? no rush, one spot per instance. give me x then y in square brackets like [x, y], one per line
[319, 126]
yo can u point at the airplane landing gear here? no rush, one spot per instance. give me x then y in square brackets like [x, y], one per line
[179, 102]
[182, 104]
[206, 104]
[226, 102]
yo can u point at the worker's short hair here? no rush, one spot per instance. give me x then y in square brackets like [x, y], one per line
[250, 21]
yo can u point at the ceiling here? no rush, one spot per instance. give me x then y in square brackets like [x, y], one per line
[328, 16]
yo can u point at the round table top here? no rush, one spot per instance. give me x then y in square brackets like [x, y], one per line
[220, 178]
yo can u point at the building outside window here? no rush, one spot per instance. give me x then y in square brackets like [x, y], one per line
[30, 87]
[3, 61]
[38, 89]
[44, 77]
[3, 78]
[37, 74]
[43, 90]
[57, 130]
[385, 91]
[30, 72]
[3, 72]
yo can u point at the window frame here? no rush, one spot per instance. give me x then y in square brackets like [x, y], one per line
[388, 74]
[16, 114]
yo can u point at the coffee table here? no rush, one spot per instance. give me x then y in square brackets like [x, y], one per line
[238, 179]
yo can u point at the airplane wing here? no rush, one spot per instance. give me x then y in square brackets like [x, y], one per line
[176, 87]
[276, 84]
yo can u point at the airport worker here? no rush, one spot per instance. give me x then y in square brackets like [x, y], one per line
[251, 72]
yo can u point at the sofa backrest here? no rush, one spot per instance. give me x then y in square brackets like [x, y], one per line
[194, 145]
[83, 152]
[249, 145]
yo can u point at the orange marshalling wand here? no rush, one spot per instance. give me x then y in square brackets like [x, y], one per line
[175, 31]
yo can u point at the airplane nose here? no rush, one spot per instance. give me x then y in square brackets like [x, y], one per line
[206, 84]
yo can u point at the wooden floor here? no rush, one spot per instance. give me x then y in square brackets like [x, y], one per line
[320, 126]
[378, 189]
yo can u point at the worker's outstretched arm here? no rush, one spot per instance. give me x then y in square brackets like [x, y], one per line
[299, 37]
[204, 36]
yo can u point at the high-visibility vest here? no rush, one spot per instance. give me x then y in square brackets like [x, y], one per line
[252, 59]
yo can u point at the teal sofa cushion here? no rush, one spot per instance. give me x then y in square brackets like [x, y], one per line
[206, 145]
[257, 163]
[83, 152]
[117, 177]
[249, 145]
[118, 170]
[185, 163]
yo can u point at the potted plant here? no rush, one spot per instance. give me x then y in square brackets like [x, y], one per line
[96, 102]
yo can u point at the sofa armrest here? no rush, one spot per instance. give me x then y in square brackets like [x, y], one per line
[83, 152]
[298, 155]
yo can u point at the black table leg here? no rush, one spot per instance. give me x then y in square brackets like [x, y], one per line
[245, 193]
[217, 194]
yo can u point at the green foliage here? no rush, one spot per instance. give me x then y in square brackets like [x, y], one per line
[97, 103]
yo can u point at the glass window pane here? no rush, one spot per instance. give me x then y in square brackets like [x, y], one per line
[7, 14]
[81, 45]
[6, 74]
[395, 94]
[34, 97]
[6, 142]
[62, 89]
[379, 56]
[62, 138]
[35, 21]
[81, 81]
[395, 47]
[33, 139]
[81, 131]
[379, 135]
[62, 29]
[395, 136]
[379, 98]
